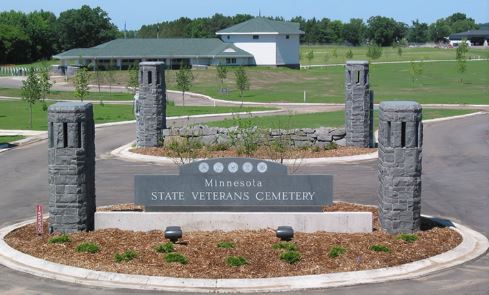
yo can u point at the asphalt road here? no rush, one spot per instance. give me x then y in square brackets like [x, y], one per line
[455, 186]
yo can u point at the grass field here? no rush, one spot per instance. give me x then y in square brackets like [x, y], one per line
[439, 83]
[324, 54]
[15, 114]
[8, 139]
[64, 95]
[329, 119]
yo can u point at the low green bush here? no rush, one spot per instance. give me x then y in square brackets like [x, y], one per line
[236, 261]
[226, 245]
[176, 257]
[290, 256]
[410, 238]
[336, 251]
[88, 248]
[331, 146]
[165, 248]
[379, 248]
[128, 255]
[289, 246]
[59, 239]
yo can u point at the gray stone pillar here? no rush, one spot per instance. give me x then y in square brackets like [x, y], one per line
[151, 104]
[359, 105]
[71, 166]
[399, 165]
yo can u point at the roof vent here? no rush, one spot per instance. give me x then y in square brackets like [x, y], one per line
[229, 50]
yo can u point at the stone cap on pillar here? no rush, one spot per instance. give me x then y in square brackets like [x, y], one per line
[70, 107]
[357, 62]
[400, 106]
[151, 63]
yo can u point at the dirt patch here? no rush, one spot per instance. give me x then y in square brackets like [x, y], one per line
[206, 260]
[261, 153]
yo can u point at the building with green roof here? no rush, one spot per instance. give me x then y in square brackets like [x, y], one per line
[258, 41]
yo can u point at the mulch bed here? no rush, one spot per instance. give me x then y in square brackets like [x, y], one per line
[261, 153]
[206, 260]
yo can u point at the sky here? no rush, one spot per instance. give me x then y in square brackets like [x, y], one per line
[141, 12]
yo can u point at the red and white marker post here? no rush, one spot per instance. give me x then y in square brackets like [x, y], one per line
[39, 225]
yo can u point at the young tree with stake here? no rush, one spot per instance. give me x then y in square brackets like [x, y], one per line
[184, 81]
[222, 73]
[242, 81]
[31, 91]
[81, 83]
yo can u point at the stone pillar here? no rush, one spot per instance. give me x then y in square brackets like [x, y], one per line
[71, 167]
[399, 166]
[359, 105]
[151, 104]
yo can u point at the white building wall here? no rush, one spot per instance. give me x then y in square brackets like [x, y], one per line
[263, 49]
[287, 50]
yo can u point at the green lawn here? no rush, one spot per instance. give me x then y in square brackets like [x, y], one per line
[10, 138]
[324, 54]
[439, 83]
[15, 114]
[329, 119]
[64, 95]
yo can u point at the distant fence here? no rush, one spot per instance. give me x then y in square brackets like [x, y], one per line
[15, 71]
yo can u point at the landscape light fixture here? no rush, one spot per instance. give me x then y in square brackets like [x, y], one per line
[173, 233]
[285, 233]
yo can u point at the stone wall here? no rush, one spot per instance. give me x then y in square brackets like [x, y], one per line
[295, 137]
[399, 166]
[359, 105]
[71, 167]
[150, 104]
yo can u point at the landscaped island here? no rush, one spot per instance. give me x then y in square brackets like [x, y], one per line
[237, 254]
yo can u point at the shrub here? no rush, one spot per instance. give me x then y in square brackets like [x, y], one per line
[165, 248]
[126, 256]
[336, 251]
[236, 261]
[176, 257]
[289, 246]
[379, 248]
[219, 147]
[290, 257]
[226, 245]
[88, 248]
[59, 239]
[331, 146]
[410, 238]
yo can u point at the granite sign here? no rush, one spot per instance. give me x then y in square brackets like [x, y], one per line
[234, 184]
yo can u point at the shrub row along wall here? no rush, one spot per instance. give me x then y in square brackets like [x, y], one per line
[299, 138]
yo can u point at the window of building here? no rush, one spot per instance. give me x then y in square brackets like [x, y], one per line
[287, 37]
[255, 37]
[228, 37]
[231, 60]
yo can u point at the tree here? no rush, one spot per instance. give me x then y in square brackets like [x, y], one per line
[133, 79]
[385, 31]
[399, 50]
[310, 56]
[84, 27]
[81, 83]
[418, 32]
[354, 31]
[374, 51]
[184, 81]
[44, 84]
[461, 56]
[41, 29]
[14, 45]
[415, 70]
[31, 91]
[222, 73]
[349, 53]
[242, 82]
[110, 75]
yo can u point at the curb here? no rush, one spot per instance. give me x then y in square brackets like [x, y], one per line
[124, 153]
[474, 244]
